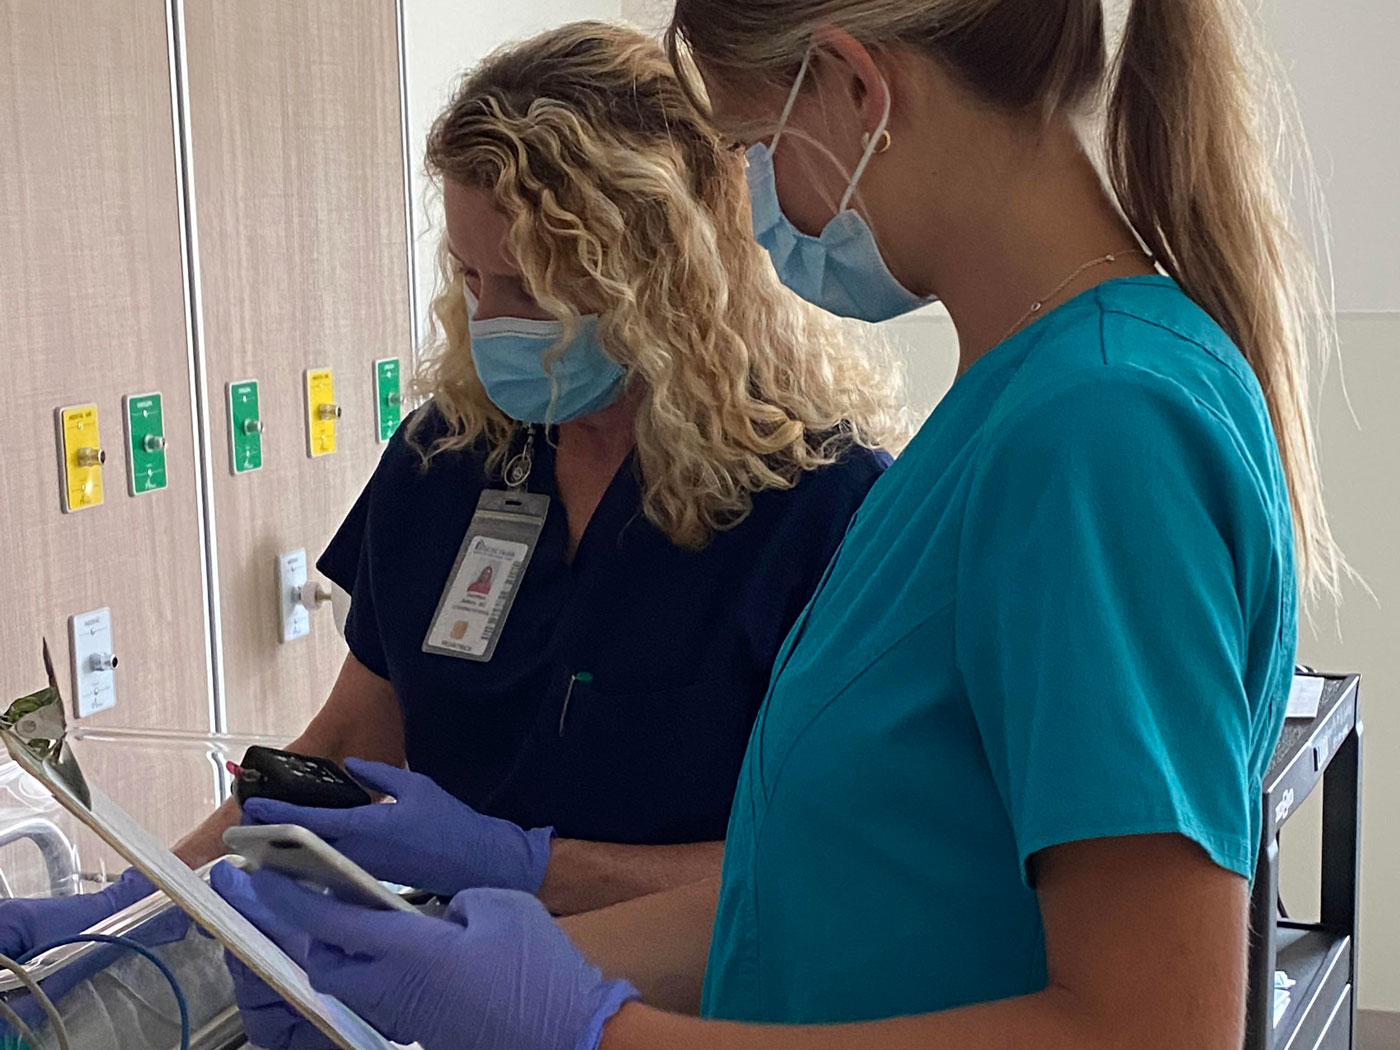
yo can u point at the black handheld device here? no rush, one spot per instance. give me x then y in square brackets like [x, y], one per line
[302, 780]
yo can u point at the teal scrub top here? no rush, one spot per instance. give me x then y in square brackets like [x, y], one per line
[1067, 612]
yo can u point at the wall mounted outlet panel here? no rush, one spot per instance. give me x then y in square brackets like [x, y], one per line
[145, 443]
[80, 457]
[321, 412]
[388, 397]
[245, 427]
[293, 618]
[94, 662]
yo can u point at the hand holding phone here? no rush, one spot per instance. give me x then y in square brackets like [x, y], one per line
[304, 856]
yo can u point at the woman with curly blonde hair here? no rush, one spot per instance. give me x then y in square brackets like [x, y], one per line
[574, 568]
[612, 348]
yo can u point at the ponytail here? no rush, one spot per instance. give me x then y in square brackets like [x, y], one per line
[1195, 175]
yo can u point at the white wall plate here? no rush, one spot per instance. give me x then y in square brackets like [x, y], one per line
[94, 662]
[294, 621]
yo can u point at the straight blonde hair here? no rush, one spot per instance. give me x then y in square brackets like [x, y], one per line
[1195, 119]
[624, 202]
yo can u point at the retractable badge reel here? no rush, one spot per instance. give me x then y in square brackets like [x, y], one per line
[485, 579]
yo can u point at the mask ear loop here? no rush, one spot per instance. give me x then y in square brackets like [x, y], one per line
[871, 148]
[791, 102]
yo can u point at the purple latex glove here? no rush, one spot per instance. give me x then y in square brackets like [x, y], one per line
[496, 973]
[268, 1021]
[427, 839]
[29, 923]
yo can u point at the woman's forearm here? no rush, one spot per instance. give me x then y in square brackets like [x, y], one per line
[1046, 1021]
[586, 876]
[206, 842]
[360, 718]
[659, 943]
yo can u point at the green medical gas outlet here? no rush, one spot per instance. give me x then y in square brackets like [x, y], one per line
[245, 427]
[388, 397]
[145, 442]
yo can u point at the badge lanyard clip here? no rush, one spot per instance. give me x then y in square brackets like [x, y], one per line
[490, 566]
[517, 472]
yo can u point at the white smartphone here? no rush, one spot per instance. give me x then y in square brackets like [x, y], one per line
[306, 857]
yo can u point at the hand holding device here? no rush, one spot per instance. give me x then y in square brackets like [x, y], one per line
[304, 780]
[267, 1019]
[427, 838]
[268, 1022]
[300, 854]
[497, 973]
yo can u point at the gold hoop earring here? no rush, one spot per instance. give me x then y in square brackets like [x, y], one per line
[886, 140]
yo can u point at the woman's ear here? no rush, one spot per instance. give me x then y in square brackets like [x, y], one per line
[855, 65]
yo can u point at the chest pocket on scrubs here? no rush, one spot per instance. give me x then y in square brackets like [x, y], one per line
[656, 753]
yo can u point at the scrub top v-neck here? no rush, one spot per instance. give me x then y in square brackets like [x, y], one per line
[619, 700]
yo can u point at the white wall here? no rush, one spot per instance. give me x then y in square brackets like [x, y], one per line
[1360, 467]
[442, 38]
[1341, 57]
[1348, 86]
[648, 14]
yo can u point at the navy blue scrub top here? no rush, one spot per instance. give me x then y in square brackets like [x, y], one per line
[672, 647]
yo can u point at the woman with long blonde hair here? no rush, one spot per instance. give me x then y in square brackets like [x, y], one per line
[1005, 787]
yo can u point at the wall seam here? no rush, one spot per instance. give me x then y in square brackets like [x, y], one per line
[198, 366]
[410, 236]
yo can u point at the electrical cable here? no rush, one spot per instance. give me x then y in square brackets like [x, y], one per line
[17, 968]
[139, 949]
[18, 1023]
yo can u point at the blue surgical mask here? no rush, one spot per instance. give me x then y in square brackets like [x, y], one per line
[841, 271]
[510, 353]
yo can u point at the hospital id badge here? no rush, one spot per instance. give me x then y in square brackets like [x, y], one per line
[483, 584]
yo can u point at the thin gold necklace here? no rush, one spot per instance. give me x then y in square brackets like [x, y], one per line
[1039, 304]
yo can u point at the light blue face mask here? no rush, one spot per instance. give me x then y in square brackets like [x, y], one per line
[510, 353]
[841, 271]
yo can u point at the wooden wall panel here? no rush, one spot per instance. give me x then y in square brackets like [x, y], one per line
[92, 306]
[298, 171]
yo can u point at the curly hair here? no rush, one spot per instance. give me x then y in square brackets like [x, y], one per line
[622, 201]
